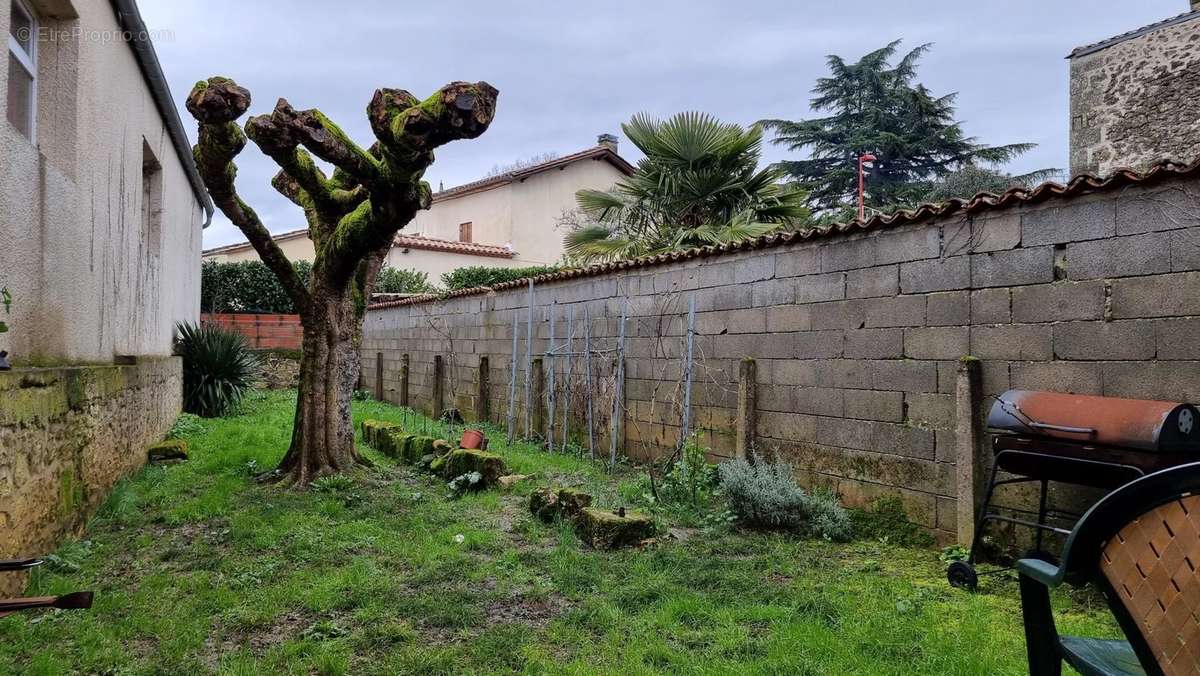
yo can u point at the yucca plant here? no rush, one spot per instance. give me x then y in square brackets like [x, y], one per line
[218, 368]
[699, 184]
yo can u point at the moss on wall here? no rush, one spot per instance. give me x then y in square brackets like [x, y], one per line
[67, 435]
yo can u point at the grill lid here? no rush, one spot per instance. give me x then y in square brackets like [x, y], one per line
[1164, 426]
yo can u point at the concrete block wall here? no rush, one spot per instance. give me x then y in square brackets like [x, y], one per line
[857, 337]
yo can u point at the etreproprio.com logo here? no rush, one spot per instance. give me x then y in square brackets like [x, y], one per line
[80, 34]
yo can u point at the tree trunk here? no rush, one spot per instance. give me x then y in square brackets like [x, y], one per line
[323, 435]
[353, 217]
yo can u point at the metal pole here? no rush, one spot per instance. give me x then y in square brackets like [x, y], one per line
[587, 388]
[550, 399]
[528, 360]
[512, 385]
[567, 377]
[686, 426]
[617, 411]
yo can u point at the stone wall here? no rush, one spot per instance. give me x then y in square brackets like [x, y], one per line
[856, 338]
[67, 435]
[1133, 101]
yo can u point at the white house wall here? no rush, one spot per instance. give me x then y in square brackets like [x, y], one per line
[540, 201]
[524, 213]
[87, 282]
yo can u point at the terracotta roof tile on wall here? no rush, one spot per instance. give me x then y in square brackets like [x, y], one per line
[1084, 184]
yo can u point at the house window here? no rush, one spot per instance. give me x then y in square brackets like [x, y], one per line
[22, 68]
[464, 232]
[151, 201]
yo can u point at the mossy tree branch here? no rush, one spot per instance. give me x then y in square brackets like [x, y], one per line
[374, 192]
[216, 104]
[408, 131]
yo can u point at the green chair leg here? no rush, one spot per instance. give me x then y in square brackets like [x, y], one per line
[1041, 637]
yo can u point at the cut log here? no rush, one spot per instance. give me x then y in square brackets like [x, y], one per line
[603, 529]
[371, 430]
[464, 461]
[168, 450]
[548, 504]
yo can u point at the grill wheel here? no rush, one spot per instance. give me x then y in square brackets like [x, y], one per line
[962, 575]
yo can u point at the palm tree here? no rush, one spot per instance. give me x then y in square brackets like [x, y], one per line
[698, 184]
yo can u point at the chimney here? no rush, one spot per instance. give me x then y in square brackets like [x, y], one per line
[610, 141]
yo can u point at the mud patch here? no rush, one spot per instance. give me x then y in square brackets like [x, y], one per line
[533, 613]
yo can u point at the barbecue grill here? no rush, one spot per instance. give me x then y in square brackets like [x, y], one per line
[1100, 442]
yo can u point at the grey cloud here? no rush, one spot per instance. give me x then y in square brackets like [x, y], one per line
[570, 70]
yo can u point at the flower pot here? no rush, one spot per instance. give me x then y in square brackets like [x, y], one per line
[472, 439]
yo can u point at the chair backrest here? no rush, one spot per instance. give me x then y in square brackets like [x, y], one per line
[1153, 567]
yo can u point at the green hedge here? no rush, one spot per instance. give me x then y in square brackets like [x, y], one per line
[251, 287]
[478, 275]
[399, 280]
[248, 286]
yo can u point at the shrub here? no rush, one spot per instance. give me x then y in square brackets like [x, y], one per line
[218, 369]
[477, 275]
[765, 495]
[399, 280]
[6, 300]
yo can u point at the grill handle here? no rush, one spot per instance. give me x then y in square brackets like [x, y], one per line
[1063, 428]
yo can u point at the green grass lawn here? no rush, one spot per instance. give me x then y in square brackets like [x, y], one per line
[198, 569]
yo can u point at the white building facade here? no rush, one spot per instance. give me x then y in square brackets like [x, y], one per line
[101, 209]
[509, 220]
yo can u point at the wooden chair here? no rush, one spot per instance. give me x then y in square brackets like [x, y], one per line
[1141, 546]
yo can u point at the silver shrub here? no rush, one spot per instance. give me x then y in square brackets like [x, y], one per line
[765, 495]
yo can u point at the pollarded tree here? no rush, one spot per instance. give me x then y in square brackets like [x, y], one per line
[353, 216]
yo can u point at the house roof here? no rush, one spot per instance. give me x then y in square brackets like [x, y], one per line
[241, 246]
[469, 248]
[599, 153]
[130, 20]
[1083, 184]
[1137, 32]
[403, 241]
[596, 153]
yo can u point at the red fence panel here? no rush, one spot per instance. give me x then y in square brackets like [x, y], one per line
[262, 331]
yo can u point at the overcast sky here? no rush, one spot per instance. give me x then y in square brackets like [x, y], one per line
[569, 70]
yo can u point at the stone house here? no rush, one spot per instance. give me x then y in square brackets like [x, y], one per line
[507, 220]
[1133, 97]
[101, 211]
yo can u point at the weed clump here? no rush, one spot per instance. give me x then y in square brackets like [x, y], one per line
[887, 521]
[187, 425]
